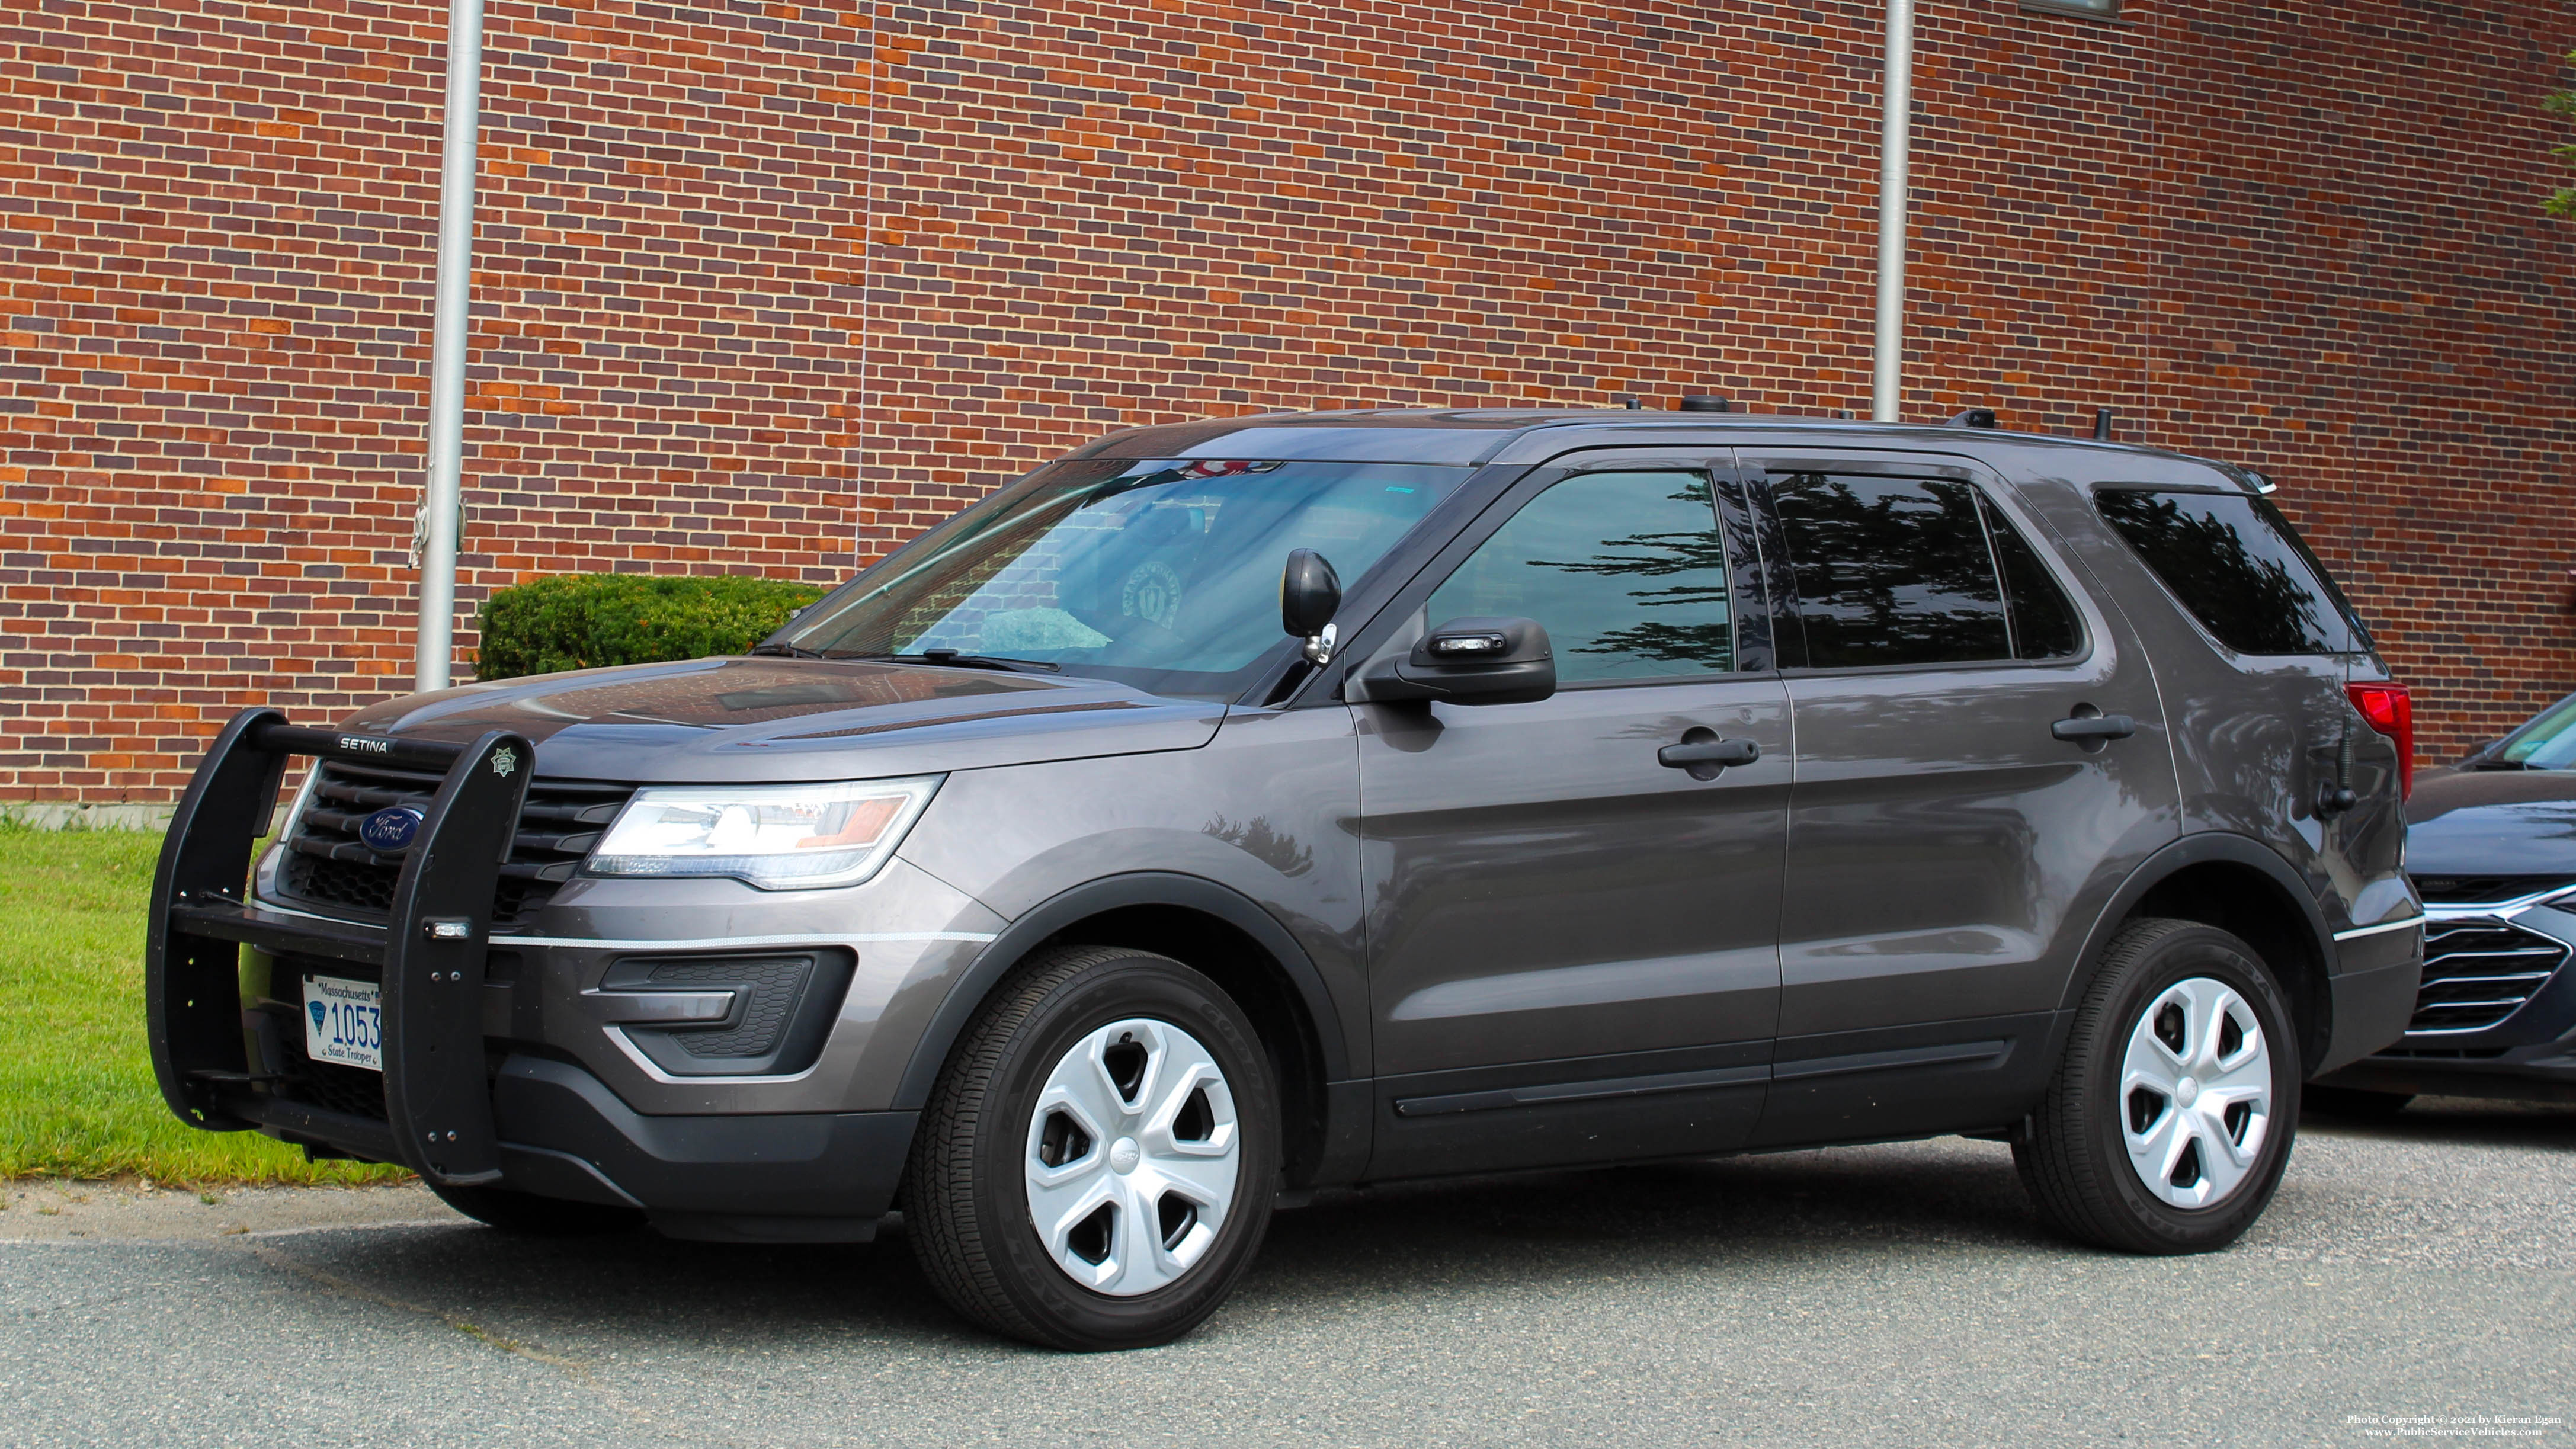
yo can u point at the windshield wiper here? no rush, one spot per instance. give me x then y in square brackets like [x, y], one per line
[947, 657]
[787, 651]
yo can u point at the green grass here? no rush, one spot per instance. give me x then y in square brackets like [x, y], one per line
[76, 1092]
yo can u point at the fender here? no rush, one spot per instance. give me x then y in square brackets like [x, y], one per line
[2198, 849]
[1139, 888]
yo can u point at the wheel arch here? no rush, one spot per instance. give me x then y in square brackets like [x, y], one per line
[1205, 925]
[2243, 887]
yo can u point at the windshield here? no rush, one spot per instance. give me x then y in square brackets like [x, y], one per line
[1163, 575]
[2548, 742]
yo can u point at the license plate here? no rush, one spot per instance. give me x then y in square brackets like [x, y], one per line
[344, 1022]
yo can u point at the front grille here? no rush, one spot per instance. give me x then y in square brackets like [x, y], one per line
[2483, 890]
[327, 865]
[2477, 973]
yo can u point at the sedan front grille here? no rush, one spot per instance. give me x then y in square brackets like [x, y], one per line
[2484, 890]
[2478, 972]
[326, 863]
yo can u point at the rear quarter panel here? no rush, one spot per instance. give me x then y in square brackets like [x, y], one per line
[2253, 738]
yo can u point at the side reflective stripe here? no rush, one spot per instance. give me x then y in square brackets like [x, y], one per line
[2383, 926]
[731, 943]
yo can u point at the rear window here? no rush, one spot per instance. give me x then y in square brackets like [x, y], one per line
[2236, 564]
[1890, 570]
[1914, 571]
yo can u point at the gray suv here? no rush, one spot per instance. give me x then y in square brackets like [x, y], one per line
[1240, 808]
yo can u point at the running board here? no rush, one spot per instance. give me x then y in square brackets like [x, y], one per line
[1553, 1093]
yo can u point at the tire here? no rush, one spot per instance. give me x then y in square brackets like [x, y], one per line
[2169, 980]
[538, 1217]
[1019, 1118]
[2356, 1104]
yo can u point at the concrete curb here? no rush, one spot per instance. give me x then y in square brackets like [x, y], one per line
[83, 815]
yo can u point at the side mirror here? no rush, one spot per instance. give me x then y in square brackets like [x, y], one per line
[1471, 661]
[1310, 593]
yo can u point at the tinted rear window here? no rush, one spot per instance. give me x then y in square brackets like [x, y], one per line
[2042, 618]
[1890, 570]
[2237, 565]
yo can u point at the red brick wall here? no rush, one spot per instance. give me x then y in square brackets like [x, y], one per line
[215, 262]
[749, 301]
[2364, 301]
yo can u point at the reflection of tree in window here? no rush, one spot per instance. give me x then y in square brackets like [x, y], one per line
[1625, 571]
[1890, 571]
[1697, 553]
[2236, 576]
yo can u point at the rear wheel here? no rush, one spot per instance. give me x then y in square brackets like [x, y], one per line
[537, 1217]
[2171, 1116]
[2357, 1105]
[1096, 1167]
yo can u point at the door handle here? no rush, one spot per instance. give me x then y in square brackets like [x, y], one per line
[1720, 753]
[2094, 729]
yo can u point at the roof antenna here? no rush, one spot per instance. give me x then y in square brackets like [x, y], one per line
[2102, 425]
[1628, 400]
[1974, 418]
[1700, 402]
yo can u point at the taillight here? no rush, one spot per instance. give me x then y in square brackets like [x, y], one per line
[2392, 713]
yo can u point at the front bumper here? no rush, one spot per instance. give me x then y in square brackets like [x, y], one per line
[505, 1061]
[768, 1178]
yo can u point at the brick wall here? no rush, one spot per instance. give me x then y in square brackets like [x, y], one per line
[215, 254]
[765, 289]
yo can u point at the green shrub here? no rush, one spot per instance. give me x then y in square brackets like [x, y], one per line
[583, 621]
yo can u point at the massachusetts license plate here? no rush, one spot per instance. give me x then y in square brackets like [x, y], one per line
[344, 1022]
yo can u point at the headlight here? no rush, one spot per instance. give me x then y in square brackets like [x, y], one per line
[777, 837]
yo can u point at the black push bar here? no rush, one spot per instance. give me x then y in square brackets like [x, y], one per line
[438, 1101]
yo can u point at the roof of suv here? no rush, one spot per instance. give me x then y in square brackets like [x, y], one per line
[1480, 435]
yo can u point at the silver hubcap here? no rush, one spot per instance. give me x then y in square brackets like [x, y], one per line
[1133, 1156]
[2195, 1093]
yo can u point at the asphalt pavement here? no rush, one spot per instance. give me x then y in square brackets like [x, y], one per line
[2418, 1276]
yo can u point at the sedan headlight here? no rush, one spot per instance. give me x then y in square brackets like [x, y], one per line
[777, 837]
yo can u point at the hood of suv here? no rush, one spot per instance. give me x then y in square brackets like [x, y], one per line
[767, 718]
[2478, 823]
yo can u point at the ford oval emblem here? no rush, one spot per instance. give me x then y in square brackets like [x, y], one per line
[390, 831]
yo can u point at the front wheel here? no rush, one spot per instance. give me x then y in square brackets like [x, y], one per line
[1098, 1160]
[2170, 1118]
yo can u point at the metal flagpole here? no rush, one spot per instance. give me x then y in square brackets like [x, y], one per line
[442, 509]
[1895, 141]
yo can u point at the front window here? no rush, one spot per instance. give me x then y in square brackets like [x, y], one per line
[1163, 575]
[1624, 570]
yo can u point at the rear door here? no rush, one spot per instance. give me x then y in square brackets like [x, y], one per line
[1981, 759]
[1573, 947]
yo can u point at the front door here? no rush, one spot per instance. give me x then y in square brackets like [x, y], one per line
[1965, 801]
[1573, 945]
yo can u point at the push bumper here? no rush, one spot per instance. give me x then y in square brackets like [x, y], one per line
[428, 956]
[450, 1111]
